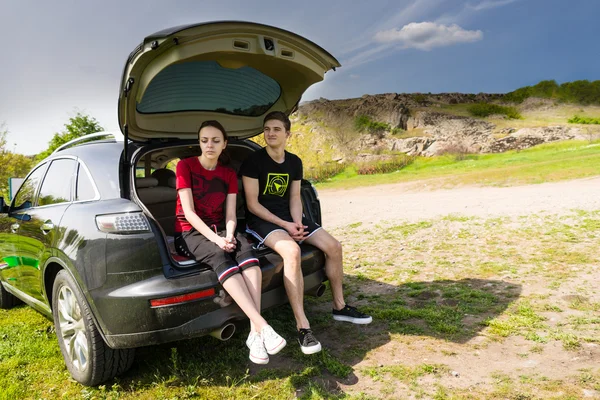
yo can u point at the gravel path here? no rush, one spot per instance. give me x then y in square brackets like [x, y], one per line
[404, 201]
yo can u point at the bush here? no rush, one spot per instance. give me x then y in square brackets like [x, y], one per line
[458, 150]
[584, 120]
[486, 109]
[384, 167]
[397, 131]
[322, 173]
[582, 92]
[420, 98]
[363, 123]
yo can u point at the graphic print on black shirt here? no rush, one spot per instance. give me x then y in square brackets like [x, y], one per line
[274, 180]
[277, 184]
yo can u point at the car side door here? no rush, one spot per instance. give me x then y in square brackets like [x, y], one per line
[9, 260]
[41, 229]
[17, 214]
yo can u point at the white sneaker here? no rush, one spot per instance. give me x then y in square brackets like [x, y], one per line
[258, 353]
[251, 336]
[272, 340]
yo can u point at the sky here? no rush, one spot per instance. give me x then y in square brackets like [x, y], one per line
[61, 57]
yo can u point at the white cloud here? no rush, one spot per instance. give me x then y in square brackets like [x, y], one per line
[427, 35]
[487, 4]
[398, 14]
[354, 76]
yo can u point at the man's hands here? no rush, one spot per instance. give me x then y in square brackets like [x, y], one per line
[296, 230]
[227, 243]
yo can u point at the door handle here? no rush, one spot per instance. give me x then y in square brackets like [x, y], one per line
[14, 227]
[47, 227]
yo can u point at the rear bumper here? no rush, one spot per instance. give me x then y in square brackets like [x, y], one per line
[207, 322]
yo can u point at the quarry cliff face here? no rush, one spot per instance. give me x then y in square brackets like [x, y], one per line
[426, 124]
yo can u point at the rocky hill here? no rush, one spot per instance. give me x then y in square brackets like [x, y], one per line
[433, 124]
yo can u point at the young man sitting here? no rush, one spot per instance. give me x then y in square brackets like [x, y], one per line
[271, 179]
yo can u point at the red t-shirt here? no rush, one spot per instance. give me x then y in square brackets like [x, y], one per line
[209, 188]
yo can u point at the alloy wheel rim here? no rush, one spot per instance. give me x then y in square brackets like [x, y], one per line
[72, 328]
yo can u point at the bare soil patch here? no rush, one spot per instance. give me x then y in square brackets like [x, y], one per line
[477, 292]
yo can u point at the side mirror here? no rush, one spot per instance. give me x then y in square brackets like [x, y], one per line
[3, 206]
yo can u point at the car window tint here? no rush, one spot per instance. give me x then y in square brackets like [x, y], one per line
[206, 86]
[85, 187]
[25, 196]
[57, 184]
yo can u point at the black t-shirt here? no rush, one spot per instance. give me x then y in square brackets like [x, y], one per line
[274, 179]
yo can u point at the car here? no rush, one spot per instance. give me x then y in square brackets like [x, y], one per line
[88, 238]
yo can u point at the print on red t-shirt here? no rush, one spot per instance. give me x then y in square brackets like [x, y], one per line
[209, 188]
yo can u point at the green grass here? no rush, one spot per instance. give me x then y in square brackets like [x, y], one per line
[31, 366]
[544, 163]
[405, 374]
[522, 319]
[584, 120]
[427, 304]
[439, 291]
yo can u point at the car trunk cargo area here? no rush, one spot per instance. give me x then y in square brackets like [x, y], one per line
[155, 189]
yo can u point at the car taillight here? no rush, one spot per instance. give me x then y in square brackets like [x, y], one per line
[134, 222]
[184, 298]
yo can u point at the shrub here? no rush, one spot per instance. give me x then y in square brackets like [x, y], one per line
[582, 92]
[363, 123]
[584, 120]
[486, 109]
[420, 98]
[519, 95]
[383, 167]
[397, 131]
[458, 150]
[324, 172]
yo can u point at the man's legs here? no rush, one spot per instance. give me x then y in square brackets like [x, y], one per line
[288, 249]
[334, 270]
[332, 248]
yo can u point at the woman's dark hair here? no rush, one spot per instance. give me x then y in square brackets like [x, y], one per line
[214, 124]
[224, 158]
[279, 116]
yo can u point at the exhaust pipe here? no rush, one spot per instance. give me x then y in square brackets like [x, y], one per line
[225, 332]
[318, 291]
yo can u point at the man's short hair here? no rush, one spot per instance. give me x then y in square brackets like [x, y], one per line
[279, 116]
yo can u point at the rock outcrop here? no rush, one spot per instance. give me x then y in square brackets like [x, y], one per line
[428, 128]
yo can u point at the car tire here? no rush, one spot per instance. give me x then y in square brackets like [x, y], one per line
[88, 358]
[7, 300]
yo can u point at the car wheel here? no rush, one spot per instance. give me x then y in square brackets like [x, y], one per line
[7, 300]
[88, 358]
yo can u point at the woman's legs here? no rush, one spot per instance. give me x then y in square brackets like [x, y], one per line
[237, 289]
[253, 280]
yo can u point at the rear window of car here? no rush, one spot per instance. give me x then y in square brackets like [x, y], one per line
[85, 188]
[57, 184]
[206, 86]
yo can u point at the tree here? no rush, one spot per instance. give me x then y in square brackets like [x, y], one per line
[79, 125]
[13, 165]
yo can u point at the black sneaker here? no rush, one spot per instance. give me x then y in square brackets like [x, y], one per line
[308, 342]
[351, 314]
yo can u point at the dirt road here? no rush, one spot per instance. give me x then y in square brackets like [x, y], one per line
[410, 202]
